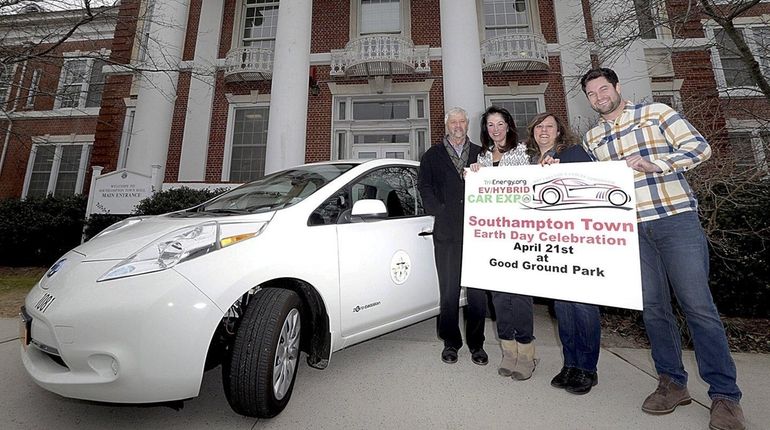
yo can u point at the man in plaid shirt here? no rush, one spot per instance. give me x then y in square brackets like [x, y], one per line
[660, 145]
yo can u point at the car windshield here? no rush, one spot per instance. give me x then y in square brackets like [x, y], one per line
[276, 191]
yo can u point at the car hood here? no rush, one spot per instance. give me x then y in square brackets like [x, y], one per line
[120, 244]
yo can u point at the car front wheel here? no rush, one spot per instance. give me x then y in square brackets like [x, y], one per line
[259, 375]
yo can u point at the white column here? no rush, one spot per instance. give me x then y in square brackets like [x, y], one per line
[157, 89]
[192, 162]
[461, 60]
[575, 58]
[287, 125]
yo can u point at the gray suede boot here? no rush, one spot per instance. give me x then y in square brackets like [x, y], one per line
[510, 353]
[525, 362]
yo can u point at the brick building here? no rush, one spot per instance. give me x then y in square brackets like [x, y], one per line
[252, 86]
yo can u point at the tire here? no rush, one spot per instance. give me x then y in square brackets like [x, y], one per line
[258, 375]
[550, 196]
[617, 197]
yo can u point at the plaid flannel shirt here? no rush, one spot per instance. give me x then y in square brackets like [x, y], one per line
[660, 134]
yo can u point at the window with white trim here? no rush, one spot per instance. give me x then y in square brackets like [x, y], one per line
[750, 149]
[247, 144]
[730, 71]
[369, 17]
[81, 83]
[34, 87]
[380, 127]
[5, 83]
[260, 23]
[57, 168]
[502, 17]
[379, 16]
[522, 109]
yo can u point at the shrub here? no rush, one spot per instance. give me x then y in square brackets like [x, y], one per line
[175, 199]
[739, 241]
[36, 231]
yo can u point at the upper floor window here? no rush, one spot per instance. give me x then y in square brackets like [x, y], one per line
[646, 16]
[81, 83]
[380, 17]
[5, 84]
[730, 70]
[260, 23]
[34, 87]
[506, 17]
[57, 168]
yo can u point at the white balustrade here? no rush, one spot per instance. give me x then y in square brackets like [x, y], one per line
[249, 63]
[518, 51]
[380, 53]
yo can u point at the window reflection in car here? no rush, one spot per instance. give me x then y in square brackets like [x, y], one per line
[273, 192]
[396, 187]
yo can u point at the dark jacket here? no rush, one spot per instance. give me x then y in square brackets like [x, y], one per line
[573, 154]
[443, 191]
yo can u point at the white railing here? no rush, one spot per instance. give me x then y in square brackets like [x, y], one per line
[518, 51]
[384, 53]
[249, 64]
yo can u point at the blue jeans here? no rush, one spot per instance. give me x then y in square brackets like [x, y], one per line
[674, 251]
[580, 331]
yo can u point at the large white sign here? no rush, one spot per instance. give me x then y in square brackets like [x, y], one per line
[119, 192]
[564, 231]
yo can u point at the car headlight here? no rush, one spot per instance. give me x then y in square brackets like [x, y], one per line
[183, 245]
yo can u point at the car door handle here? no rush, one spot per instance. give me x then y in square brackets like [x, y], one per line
[425, 233]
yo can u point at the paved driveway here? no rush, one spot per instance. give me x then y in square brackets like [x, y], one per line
[397, 381]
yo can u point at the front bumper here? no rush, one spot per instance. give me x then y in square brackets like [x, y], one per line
[141, 339]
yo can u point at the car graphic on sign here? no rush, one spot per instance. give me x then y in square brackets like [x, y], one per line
[578, 191]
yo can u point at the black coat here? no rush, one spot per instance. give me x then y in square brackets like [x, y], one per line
[443, 191]
[573, 154]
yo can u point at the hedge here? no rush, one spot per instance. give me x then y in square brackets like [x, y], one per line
[37, 231]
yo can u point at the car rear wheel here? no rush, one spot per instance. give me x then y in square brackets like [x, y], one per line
[551, 196]
[259, 375]
[617, 197]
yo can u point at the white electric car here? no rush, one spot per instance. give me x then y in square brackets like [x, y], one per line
[315, 258]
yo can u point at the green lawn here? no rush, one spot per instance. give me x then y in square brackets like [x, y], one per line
[15, 282]
[19, 279]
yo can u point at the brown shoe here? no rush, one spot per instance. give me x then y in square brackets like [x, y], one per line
[726, 415]
[666, 397]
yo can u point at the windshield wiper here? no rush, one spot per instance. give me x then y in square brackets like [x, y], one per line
[227, 211]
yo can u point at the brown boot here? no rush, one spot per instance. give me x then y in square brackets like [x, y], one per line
[510, 352]
[726, 415]
[525, 362]
[666, 397]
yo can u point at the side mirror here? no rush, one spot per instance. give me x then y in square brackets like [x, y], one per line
[369, 209]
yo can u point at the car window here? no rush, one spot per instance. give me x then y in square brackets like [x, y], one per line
[276, 191]
[394, 186]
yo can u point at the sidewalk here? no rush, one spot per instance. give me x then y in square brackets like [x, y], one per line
[398, 381]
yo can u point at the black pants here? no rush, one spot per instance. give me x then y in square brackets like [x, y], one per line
[449, 265]
[514, 314]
